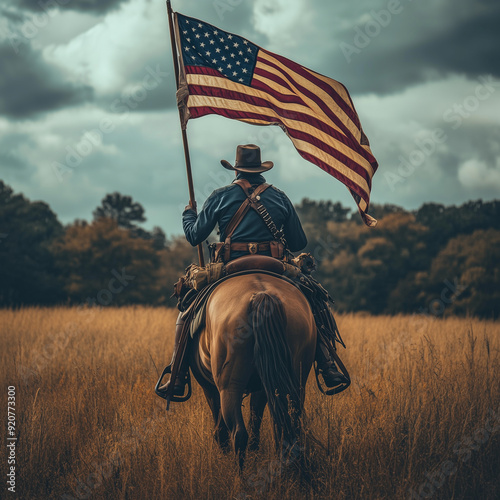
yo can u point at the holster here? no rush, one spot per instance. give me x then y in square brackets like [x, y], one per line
[277, 249]
[180, 288]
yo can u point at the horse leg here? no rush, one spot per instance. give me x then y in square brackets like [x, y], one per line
[258, 402]
[221, 434]
[231, 411]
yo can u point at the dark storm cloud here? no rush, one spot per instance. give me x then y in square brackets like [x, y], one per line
[421, 42]
[12, 15]
[469, 47]
[473, 141]
[9, 160]
[139, 100]
[14, 165]
[91, 6]
[150, 88]
[29, 86]
[402, 184]
[230, 15]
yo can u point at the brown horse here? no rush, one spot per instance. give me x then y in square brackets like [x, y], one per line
[259, 338]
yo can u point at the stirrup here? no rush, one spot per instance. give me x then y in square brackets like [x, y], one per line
[334, 390]
[329, 372]
[161, 389]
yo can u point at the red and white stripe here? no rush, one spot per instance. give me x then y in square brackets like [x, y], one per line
[316, 112]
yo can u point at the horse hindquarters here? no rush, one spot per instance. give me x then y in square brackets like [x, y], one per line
[273, 363]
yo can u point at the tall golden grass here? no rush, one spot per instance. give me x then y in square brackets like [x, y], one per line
[421, 419]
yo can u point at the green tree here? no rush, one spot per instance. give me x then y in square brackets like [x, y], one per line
[380, 211]
[319, 212]
[27, 273]
[120, 208]
[467, 270]
[447, 222]
[127, 213]
[105, 264]
[366, 264]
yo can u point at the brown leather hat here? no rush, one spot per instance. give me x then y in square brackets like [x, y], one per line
[248, 160]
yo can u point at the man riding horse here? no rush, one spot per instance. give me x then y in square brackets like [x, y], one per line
[272, 229]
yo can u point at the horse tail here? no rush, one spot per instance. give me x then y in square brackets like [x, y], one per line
[273, 362]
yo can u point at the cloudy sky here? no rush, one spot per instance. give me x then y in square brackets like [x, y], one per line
[87, 99]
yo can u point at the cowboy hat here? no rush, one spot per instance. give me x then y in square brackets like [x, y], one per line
[248, 160]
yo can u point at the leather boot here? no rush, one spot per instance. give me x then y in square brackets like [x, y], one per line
[331, 376]
[181, 379]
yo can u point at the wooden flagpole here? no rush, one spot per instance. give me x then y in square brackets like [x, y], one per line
[183, 130]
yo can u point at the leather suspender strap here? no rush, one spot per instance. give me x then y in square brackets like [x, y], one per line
[240, 213]
[254, 202]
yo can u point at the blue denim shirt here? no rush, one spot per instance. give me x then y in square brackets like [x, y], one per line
[223, 203]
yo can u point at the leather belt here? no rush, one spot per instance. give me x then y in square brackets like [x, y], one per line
[251, 248]
[275, 248]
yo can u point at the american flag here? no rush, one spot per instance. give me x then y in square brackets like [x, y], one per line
[225, 74]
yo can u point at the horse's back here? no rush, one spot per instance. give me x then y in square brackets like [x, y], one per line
[228, 340]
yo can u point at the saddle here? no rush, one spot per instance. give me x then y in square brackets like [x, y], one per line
[248, 264]
[194, 305]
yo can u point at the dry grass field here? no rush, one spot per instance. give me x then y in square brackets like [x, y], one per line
[421, 419]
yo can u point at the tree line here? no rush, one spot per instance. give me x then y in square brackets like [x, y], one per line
[436, 260]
